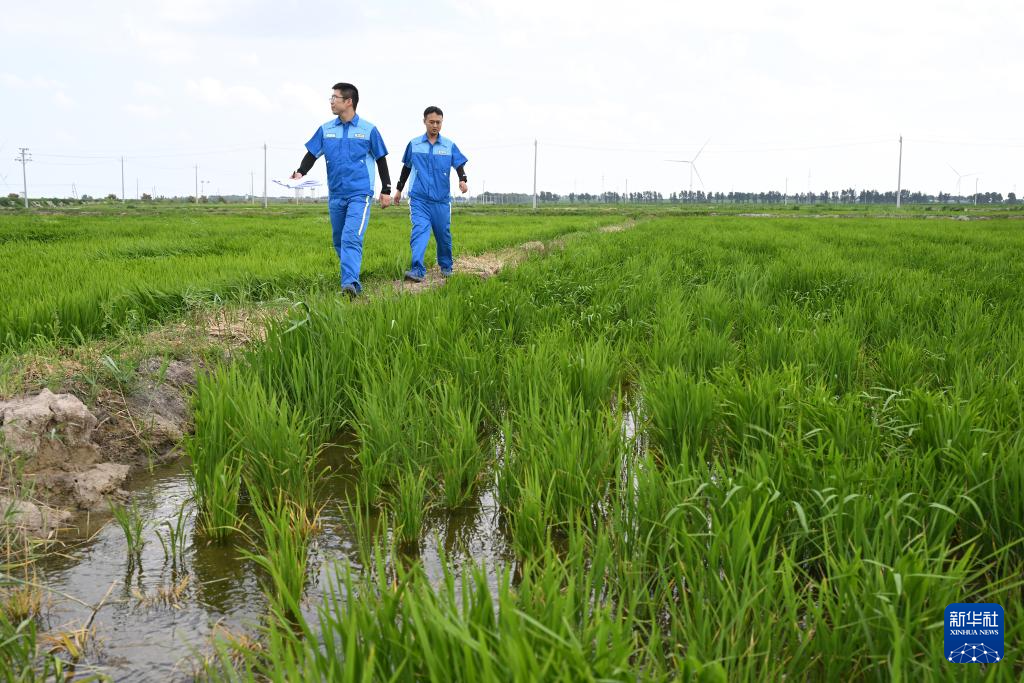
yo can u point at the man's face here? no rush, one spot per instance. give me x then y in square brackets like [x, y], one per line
[433, 124]
[339, 104]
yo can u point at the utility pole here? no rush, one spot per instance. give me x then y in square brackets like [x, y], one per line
[899, 175]
[264, 175]
[136, 188]
[975, 191]
[785, 196]
[122, 180]
[535, 175]
[197, 182]
[24, 159]
[252, 187]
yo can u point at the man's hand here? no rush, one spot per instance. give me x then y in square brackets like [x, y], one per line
[296, 175]
[397, 198]
[385, 200]
[463, 186]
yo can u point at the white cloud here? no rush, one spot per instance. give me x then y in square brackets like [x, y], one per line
[146, 89]
[146, 111]
[773, 83]
[63, 101]
[33, 82]
[244, 97]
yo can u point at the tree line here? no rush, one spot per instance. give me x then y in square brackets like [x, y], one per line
[847, 196]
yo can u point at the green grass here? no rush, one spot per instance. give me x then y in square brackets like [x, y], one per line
[76, 275]
[726, 448]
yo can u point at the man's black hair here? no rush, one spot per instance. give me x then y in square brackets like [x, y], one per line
[348, 90]
[433, 110]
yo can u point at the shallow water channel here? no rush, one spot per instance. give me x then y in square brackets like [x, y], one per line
[140, 636]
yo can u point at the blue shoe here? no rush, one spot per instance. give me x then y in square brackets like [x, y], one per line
[350, 291]
[413, 277]
[446, 273]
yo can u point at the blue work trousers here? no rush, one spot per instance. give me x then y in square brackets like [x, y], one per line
[430, 217]
[349, 218]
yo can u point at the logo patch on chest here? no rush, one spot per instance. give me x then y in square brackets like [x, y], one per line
[330, 135]
[359, 135]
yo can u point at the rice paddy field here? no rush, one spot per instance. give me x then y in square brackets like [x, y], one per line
[706, 447]
[75, 275]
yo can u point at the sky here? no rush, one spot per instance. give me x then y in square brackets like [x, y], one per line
[773, 94]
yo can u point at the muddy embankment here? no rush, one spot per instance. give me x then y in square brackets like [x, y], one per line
[61, 457]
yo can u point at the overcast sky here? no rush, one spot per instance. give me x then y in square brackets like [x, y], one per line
[786, 94]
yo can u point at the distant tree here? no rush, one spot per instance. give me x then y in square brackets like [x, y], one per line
[14, 195]
[1011, 198]
[112, 197]
[146, 197]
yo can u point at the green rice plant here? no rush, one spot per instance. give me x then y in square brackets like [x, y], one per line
[374, 476]
[274, 448]
[548, 627]
[901, 365]
[132, 523]
[213, 451]
[460, 458]
[174, 539]
[573, 453]
[409, 505]
[390, 422]
[698, 351]
[219, 517]
[594, 372]
[20, 656]
[530, 523]
[832, 354]
[846, 423]
[285, 531]
[683, 413]
[823, 464]
[773, 346]
[937, 422]
[120, 276]
[714, 307]
[757, 407]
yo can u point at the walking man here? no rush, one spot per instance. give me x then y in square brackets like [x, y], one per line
[427, 165]
[351, 145]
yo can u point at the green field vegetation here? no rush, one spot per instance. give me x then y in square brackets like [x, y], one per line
[721, 447]
[71, 276]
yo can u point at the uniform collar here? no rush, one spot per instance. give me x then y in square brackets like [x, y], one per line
[424, 138]
[353, 122]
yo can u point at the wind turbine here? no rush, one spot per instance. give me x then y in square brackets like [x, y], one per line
[959, 176]
[693, 165]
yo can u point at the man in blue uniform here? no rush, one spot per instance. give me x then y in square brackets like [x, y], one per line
[427, 165]
[351, 145]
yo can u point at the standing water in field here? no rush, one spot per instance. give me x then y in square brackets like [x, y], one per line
[161, 606]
